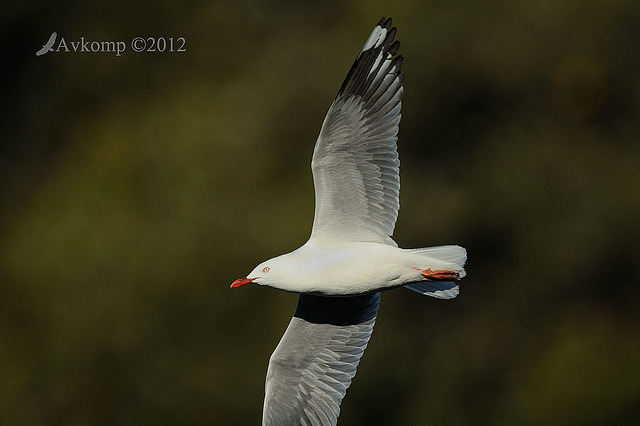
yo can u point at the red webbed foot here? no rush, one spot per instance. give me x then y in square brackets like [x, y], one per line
[438, 274]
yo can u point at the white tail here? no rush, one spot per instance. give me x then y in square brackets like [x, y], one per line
[438, 289]
[442, 257]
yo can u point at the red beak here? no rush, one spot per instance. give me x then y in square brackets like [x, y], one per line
[241, 281]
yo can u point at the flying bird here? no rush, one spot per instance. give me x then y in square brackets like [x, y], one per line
[48, 46]
[351, 256]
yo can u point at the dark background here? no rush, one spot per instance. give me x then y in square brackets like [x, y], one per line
[136, 188]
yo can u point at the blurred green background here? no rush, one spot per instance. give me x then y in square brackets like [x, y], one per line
[136, 188]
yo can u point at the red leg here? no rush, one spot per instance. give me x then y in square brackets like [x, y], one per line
[437, 275]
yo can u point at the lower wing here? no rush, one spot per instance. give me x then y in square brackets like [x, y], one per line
[312, 366]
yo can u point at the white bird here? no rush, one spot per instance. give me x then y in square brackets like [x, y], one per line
[350, 256]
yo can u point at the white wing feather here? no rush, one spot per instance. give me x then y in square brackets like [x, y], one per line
[312, 366]
[355, 162]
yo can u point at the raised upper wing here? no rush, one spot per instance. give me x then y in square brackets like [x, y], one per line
[355, 162]
[312, 366]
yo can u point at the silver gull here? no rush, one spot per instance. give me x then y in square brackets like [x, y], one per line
[350, 256]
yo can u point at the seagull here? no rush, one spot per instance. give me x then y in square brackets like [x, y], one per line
[350, 256]
[48, 46]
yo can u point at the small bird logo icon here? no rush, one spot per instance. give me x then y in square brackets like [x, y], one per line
[48, 46]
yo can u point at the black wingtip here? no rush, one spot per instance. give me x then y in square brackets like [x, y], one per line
[358, 78]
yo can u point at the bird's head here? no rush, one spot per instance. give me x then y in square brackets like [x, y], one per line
[265, 273]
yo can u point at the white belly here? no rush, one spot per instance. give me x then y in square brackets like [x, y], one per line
[353, 268]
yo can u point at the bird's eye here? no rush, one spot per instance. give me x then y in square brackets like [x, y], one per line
[266, 269]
